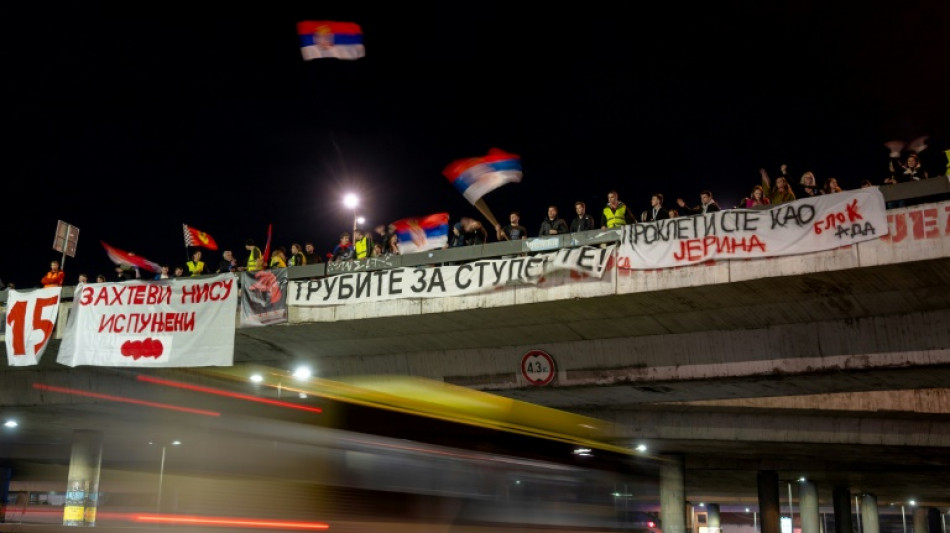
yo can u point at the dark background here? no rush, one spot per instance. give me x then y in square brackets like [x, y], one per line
[129, 121]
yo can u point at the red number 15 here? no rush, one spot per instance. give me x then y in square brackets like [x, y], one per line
[16, 322]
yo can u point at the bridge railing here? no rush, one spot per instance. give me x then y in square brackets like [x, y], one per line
[899, 194]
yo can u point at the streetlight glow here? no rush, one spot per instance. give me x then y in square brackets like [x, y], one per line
[350, 200]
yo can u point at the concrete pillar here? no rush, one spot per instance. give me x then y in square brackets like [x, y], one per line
[82, 487]
[769, 502]
[869, 517]
[808, 507]
[920, 520]
[934, 520]
[842, 501]
[5, 474]
[712, 518]
[673, 494]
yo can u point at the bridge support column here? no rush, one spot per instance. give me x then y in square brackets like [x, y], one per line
[870, 522]
[5, 474]
[934, 520]
[82, 488]
[808, 507]
[673, 494]
[842, 502]
[920, 520]
[712, 518]
[768, 501]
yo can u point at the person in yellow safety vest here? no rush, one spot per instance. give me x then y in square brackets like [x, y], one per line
[255, 261]
[196, 266]
[362, 244]
[278, 258]
[615, 213]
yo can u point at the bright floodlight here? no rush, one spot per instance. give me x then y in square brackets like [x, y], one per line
[360, 220]
[641, 447]
[257, 378]
[11, 423]
[351, 200]
[302, 372]
[176, 443]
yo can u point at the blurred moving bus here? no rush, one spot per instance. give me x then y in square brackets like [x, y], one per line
[373, 454]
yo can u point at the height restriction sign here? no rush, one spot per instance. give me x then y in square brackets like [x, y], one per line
[537, 367]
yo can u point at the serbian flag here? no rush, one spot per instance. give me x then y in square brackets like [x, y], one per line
[477, 176]
[421, 234]
[194, 237]
[326, 38]
[121, 257]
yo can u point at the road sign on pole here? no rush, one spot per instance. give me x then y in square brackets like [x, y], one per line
[66, 240]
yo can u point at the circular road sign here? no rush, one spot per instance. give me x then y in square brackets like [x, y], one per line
[537, 367]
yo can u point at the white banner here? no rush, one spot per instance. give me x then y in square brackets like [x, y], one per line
[169, 323]
[30, 321]
[803, 226]
[441, 281]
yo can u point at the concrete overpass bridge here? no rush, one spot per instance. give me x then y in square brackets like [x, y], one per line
[831, 366]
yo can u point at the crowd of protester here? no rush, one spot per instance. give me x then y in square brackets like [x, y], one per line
[904, 165]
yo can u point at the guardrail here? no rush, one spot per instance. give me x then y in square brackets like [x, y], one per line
[933, 189]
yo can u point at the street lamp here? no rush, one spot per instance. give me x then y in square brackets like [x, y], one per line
[350, 200]
[161, 476]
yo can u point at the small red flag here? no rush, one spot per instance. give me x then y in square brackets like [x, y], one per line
[266, 257]
[194, 237]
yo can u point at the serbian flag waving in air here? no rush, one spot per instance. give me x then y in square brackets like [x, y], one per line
[421, 234]
[194, 237]
[477, 176]
[121, 257]
[326, 38]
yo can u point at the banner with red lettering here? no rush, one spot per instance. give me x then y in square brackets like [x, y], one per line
[30, 321]
[800, 227]
[180, 322]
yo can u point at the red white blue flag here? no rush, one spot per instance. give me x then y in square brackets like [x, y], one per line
[326, 38]
[121, 257]
[475, 177]
[421, 234]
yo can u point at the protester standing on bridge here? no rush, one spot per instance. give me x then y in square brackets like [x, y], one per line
[513, 231]
[583, 221]
[779, 194]
[196, 266]
[255, 260]
[707, 204]
[227, 262]
[55, 276]
[615, 213]
[277, 259]
[297, 258]
[310, 254]
[656, 211]
[553, 224]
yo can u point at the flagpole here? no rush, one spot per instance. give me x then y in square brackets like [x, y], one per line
[187, 257]
[483, 208]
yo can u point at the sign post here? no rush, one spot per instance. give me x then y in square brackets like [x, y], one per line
[65, 241]
[538, 368]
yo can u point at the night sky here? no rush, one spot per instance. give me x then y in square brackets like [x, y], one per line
[129, 122]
